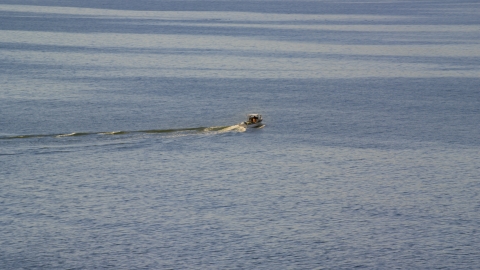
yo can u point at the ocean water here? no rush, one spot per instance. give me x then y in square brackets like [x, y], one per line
[120, 149]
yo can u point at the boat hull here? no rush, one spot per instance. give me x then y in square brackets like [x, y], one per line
[251, 125]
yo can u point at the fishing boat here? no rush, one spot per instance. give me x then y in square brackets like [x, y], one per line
[254, 121]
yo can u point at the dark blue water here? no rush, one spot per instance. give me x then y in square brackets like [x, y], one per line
[119, 146]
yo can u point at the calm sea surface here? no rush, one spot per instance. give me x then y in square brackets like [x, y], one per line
[119, 147]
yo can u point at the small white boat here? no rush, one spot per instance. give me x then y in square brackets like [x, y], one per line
[254, 121]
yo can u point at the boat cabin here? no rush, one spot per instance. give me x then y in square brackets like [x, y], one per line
[254, 118]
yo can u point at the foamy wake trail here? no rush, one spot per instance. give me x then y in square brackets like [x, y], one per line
[175, 132]
[238, 128]
[223, 129]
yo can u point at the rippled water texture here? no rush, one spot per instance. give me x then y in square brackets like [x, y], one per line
[120, 146]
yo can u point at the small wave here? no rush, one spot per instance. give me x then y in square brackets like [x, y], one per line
[22, 137]
[72, 134]
[171, 130]
[114, 133]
